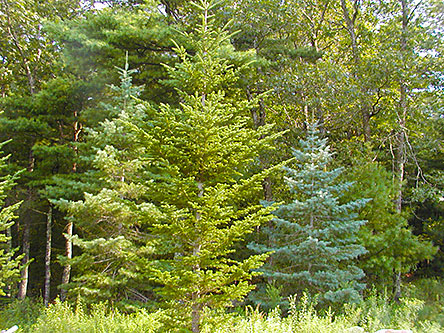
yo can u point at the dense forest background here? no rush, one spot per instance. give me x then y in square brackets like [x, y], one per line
[191, 155]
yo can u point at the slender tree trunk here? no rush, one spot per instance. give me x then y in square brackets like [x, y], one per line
[47, 289]
[68, 253]
[24, 273]
[77, 126]
[402, 118]
[397, 287]
[9, 235]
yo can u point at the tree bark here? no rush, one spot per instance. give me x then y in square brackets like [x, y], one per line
[77, 127]
[196, 310]
[68, 254]
[47, 289]
[9, 235]
[24, 273]
[401, 157]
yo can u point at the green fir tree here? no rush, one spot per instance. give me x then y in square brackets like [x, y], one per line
[314, 237]
[181, 190]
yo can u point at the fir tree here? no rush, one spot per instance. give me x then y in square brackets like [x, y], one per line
[92, 279]
[314, 237]
[183, 192]
[9, 265]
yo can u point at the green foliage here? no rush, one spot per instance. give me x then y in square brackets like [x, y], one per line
[32, 316]
[390, 244]
[62, 317]
[375, 313]
[430, 291]
[23, 313]
[93, 46]
[9, 263]
[172, 199]
[180, 191]
[28, 55]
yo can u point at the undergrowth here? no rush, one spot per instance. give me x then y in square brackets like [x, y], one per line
[373, 314]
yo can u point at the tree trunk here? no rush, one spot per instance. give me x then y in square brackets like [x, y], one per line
[47, 289]
[401, 157]
[77, 127]
[68, 254]
[9, 235]
[397, 287]
[196, 310]
[24, 273]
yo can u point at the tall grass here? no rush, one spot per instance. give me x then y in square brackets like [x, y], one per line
[62, 317]
[24, 313]
[431, 291]
[373, 314]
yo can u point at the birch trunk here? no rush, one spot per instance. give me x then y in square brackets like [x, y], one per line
[47, 289]
[24, 273]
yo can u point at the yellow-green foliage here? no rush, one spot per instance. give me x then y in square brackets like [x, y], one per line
[61, 317]
[373, 314]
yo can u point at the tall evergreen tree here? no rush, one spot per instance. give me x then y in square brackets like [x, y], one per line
[181, 189]
[313, 238]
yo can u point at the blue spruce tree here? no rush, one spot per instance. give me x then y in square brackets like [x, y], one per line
[313, 239]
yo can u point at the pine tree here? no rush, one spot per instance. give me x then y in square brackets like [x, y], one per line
[9, 265]
[389, 242]
[313, 238]
[181, 189]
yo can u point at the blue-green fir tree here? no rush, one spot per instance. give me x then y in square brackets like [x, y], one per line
[313, 238]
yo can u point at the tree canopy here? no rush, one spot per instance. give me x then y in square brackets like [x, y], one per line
[160, 153]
